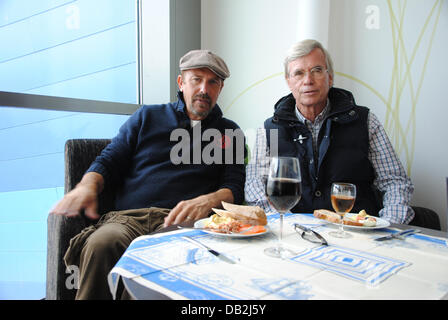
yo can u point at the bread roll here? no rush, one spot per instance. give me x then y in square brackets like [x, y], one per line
[334, 217]
[327, 215]
[246, 214]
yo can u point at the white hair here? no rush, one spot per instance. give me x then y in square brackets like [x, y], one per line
[303, 48]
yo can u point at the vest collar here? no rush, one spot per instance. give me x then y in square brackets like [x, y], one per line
[341, 101]
[342, 106]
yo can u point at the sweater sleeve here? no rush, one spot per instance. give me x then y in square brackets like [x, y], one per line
[234, 174]
[234, 178]
[114, 160]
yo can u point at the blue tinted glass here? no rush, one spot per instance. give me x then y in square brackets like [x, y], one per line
[78, 49]
[32, 171]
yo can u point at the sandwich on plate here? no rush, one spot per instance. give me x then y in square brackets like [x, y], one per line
[237, 219]
[362, 219]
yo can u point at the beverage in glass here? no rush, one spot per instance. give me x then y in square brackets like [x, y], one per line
[343, 197]
[283, 190]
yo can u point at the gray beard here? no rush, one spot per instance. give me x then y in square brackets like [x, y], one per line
[201, 114]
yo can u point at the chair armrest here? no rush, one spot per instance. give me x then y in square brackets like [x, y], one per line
[79, 154]
[60, 230]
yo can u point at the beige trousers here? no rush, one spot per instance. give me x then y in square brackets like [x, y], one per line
[99, 247]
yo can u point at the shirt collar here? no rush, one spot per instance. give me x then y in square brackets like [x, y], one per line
[319, 117]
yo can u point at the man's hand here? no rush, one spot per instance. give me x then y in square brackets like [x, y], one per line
[197, 208]
[83, 197]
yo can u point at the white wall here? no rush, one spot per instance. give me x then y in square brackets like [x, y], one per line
[169, 29]
[253, 35]
[373, 51]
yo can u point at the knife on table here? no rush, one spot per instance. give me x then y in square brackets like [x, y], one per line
[398, 235]
[213, 252]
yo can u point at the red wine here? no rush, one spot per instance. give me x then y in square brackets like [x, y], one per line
[283, 193]
[341, 203]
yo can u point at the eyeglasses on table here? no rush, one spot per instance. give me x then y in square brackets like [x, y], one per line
[309, 234]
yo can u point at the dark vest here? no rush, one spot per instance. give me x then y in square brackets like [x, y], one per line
[343, 146]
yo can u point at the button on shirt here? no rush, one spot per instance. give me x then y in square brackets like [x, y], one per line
[391, 178]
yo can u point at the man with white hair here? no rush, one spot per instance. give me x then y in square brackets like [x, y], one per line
[335, 141]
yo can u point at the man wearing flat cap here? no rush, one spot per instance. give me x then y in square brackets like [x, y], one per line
[152, 190]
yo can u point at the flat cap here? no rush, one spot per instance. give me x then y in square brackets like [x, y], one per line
[204, 59]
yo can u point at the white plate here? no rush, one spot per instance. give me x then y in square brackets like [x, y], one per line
[201, 224]
[380, 223]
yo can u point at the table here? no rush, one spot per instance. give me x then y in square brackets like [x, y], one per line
[164, 266]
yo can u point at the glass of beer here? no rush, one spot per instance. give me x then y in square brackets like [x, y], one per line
[343, 197]
[283, 190]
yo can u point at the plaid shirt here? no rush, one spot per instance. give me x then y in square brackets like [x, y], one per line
[391, 179]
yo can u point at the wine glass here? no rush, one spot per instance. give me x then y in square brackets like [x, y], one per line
[283, 190]
[343, 197]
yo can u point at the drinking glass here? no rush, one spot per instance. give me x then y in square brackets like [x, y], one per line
[343, 197]
[283, 190]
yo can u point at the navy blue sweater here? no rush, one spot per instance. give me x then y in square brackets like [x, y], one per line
[137, 161]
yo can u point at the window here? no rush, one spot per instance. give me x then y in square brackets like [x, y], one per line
[80, 49]
[72, 49]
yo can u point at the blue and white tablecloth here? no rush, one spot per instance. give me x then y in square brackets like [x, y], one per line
[354, 268]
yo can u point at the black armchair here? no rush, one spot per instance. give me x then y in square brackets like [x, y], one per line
[79, 154]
